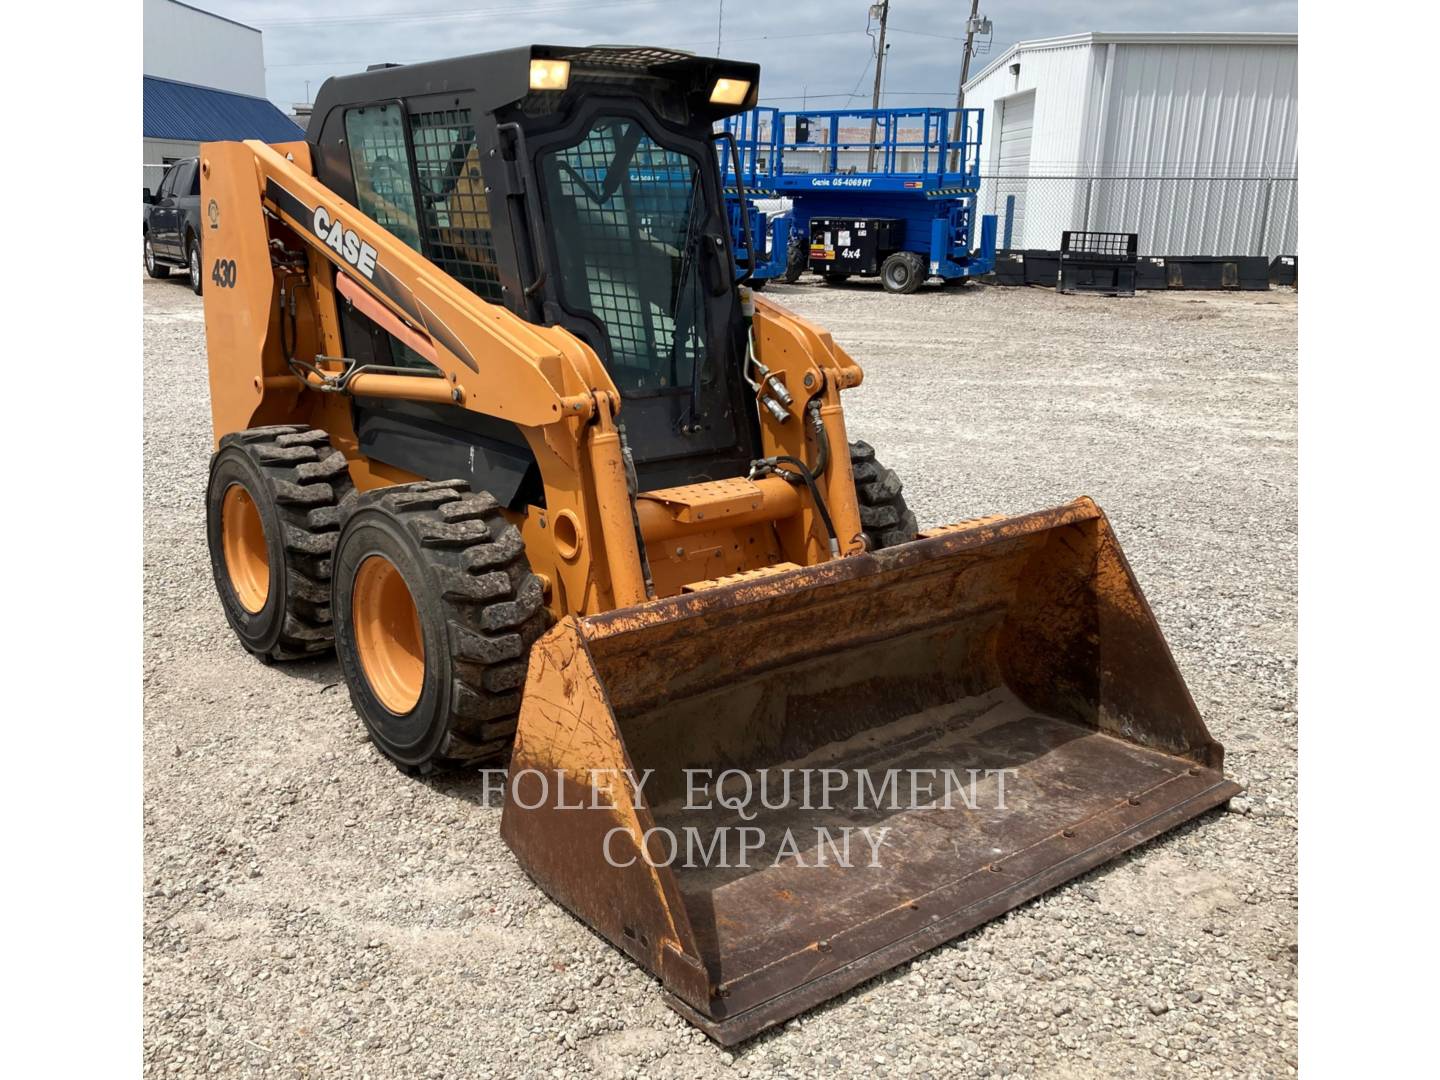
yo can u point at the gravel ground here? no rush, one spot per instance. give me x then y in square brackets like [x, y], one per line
[311, 912]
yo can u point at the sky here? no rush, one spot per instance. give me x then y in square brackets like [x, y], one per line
[813, 52]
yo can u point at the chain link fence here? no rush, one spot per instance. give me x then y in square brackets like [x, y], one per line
[1189, 215]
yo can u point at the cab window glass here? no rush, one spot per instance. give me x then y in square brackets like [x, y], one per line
[167, 186]
[629, 212]
[367, 343]
[380, 162]
[185, 174]
[454, 209]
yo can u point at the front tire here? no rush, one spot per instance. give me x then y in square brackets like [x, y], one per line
[902, 272]
[153, 266]
[273, 512]
[192, 263]
[884, 517]
[436, 610]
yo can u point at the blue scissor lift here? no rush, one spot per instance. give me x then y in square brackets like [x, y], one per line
[901, 205]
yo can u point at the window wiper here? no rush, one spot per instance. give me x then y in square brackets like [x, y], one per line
[684, 326]
[687, 252]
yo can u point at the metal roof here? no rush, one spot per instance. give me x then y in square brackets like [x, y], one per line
[1142, 37]
[189, 113]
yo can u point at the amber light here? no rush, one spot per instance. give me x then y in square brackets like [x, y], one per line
[730, 92]
[549, 74]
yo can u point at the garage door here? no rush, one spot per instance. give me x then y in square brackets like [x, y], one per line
[1017, 120]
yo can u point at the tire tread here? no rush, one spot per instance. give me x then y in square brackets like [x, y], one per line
[885, 519]
[310, 486]
[492, 603]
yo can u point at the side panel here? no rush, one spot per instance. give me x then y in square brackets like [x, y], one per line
[587, 855]
[241, 317]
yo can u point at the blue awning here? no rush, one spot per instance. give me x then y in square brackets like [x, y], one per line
[189, 113]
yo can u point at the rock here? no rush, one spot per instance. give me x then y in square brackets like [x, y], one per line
[1189, 430]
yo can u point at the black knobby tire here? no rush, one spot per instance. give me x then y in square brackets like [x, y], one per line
[478, 606]
[153, 266]
[902, 273]
[884, 517]
[299, 485]
[193, 267]
[797, 254]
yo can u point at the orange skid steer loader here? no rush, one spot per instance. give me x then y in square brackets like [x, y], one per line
[495, 421]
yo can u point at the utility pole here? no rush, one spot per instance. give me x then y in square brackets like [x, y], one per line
[720, 28]
[884, 13]
[958, 134]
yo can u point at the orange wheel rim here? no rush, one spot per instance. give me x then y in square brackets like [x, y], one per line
[387, 634]
[247, 558]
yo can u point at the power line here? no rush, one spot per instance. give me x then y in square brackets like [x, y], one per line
[852, 96]
[425, 59]
[924, 33]
[453, 13]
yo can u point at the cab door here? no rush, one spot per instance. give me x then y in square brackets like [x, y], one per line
[641, 270]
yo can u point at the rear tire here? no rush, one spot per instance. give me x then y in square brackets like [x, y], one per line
[192, 266]
[273, 512]
[902, 273]
[437, 681]
[884, 517]
[796, 256]
[153, 266]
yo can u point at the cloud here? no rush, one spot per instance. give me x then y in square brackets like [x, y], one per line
[813, 50]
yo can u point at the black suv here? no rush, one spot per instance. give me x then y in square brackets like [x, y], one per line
[172, 223]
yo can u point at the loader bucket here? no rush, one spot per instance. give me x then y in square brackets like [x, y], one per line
[1016, 652]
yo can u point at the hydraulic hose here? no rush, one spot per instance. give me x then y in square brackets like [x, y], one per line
[802, 473]
[822, 441]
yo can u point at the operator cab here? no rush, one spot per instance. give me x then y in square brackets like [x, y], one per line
[579, 188]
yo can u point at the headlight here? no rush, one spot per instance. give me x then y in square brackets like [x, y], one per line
[549, 74]
[729, 91]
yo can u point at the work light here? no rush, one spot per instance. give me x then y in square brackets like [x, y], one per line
[549, 74]
[727, 91]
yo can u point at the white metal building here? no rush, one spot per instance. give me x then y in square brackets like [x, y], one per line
[204, 79]
[1187, 139]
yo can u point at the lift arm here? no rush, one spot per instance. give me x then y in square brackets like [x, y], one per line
[492, 361]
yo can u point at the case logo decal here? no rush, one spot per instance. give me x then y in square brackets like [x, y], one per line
[344, 242]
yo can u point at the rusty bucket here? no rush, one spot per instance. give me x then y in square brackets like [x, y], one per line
[769, 791]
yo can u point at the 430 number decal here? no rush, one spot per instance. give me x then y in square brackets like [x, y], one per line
[223, 273]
